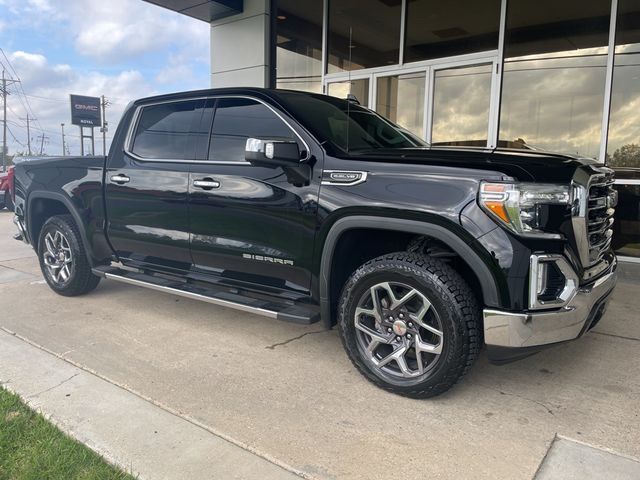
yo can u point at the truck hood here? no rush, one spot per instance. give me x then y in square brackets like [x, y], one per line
[522, 165]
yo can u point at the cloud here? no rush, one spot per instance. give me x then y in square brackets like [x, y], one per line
[47, 86]
[129, 28]
[113, 31]
[123, 49]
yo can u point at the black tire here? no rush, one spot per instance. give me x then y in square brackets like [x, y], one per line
[79, 278]
[452, 305]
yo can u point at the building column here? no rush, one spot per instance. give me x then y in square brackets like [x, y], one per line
[240, 47]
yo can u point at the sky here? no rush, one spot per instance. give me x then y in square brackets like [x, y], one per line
[122, 49]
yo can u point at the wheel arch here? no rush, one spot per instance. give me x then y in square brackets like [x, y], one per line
[43, 205]
[487, 281]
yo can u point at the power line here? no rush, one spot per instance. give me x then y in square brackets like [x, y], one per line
[14, 138]
[5, 93]
[22, 93]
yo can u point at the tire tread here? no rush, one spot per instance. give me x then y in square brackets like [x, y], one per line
[458, 290]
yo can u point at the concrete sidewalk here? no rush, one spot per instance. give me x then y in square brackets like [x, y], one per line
[129, 431]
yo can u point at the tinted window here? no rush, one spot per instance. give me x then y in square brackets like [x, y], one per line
[237, 119]
[554, 75]
[443, 29]
[363, 34]
[299, 45]
[623, 149]
[346, 126]
[163, 131]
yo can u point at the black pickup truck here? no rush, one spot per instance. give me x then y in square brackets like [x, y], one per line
[308, 208]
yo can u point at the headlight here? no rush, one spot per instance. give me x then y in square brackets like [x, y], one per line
[518, 206]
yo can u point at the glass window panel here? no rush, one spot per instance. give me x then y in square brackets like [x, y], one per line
[359, 88]
[626, 228]
[374, 30]
[441, 29]
[623, 147]
[400, 98]
[299, 45]
[461, 102]
[554, 75]
[237, 119]
[165, 131]
[547, 26]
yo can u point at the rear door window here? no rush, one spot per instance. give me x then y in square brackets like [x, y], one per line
[168, 131]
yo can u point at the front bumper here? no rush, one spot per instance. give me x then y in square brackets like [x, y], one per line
[510, 336]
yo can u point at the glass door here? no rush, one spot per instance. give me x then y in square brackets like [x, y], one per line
[401, 99]
[451, 104]
[358, 87]
[461, 105]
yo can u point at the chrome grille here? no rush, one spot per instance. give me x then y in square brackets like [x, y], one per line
[602, 199]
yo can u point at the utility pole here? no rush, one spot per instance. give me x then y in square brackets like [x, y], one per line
[104, 103]
[5, 82]
[42, 139]
[28, 136]
[29, 120]
[63, 149]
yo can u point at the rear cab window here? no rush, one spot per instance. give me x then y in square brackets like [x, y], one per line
[168, 131]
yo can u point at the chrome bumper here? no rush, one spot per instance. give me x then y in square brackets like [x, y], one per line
[22, 234]
[524, 330]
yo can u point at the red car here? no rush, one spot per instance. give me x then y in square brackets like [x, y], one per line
[6, 189]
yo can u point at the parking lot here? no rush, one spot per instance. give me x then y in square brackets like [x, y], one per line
[290, 393]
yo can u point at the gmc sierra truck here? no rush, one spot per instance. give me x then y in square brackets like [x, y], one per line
[307, 208]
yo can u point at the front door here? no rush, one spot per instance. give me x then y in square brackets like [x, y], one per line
[252, 224]
[147, 186]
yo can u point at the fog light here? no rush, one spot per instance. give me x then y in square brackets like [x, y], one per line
[552, 282]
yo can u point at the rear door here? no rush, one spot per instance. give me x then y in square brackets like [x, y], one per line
[249, 223]
[147, 185]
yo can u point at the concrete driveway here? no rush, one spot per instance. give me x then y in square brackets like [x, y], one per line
[290, 393]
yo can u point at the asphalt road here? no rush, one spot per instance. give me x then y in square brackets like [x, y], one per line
[289, 391]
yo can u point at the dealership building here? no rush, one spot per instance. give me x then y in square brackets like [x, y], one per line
[557, 75]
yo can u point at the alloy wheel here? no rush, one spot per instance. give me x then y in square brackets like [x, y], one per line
[398, 331]
[57, 256]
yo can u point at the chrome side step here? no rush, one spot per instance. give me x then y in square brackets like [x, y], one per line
[285, 312]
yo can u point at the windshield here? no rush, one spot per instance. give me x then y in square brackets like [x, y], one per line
[346, 126]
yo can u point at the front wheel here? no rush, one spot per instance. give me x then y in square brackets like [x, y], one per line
[409, 323]
[63, 259]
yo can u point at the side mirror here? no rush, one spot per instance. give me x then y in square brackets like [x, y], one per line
[282, 151]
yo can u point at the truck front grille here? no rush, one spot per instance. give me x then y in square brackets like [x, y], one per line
[602, 199]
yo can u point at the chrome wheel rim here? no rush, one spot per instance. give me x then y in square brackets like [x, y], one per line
[398, 331]
[57, 256]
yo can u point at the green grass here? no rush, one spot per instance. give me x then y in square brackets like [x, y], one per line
[31, 448]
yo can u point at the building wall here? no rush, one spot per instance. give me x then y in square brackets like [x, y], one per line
[493, 73]
[240, 47]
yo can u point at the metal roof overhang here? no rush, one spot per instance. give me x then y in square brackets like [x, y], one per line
[207, 11]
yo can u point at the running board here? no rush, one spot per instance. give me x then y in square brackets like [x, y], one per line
[285, 312]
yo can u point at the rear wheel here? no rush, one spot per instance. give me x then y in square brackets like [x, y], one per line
[63, 259]
[409, 323]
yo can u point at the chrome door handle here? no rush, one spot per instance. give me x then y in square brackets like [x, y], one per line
[206, 183]
[120, 179]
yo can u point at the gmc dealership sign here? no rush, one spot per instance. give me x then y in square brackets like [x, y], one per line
[85, 111]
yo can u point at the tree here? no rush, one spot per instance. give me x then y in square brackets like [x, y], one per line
[626, 156]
